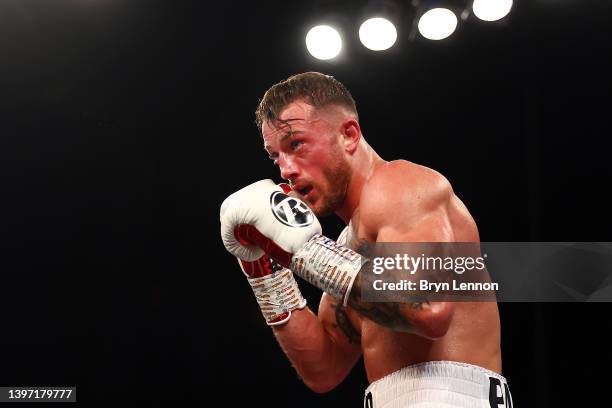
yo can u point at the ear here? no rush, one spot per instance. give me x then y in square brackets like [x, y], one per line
[351, 134]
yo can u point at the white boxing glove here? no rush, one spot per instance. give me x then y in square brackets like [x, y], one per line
[262, 219]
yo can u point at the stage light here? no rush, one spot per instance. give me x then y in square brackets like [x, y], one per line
[491, 10]
[437, 23]
[323, 42]
[377, 34]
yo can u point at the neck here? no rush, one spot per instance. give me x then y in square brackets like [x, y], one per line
[363, 163]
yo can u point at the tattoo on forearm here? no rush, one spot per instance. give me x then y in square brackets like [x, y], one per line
[344, 323]
[388, 314]
[393, 315]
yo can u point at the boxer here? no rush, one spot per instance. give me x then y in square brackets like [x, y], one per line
[421, 353]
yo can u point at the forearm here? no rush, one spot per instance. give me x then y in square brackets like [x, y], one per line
[313, 352]
[412, 317]
[334, 265]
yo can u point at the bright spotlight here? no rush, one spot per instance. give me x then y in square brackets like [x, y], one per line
[377, 34]
[491, 10]
[323, 42]
[437, 24]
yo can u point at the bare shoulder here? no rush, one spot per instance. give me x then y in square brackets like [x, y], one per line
[404, 177]
[403, 187]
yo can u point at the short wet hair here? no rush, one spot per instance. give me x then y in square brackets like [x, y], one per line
[315, 88]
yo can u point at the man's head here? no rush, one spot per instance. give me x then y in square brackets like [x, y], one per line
[310, 128]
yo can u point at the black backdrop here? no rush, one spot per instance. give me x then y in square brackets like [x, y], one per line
[124, 124]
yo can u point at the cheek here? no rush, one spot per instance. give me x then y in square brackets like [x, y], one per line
[315, 166]
[320, 157]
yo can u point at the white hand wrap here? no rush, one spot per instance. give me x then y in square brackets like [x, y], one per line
[328, 266]
[276, 294]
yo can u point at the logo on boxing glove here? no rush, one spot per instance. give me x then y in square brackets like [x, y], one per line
[290, 211]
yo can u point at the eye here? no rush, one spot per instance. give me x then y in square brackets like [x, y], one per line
[296, 144]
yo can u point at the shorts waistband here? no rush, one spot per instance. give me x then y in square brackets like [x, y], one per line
[439, 383]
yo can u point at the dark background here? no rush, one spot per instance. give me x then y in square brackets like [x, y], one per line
[124, 124]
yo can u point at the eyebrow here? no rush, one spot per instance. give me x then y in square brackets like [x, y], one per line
[287, 122]
[284, 137]
[290, 134]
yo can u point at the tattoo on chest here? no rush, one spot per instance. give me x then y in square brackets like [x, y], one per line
[344, 323]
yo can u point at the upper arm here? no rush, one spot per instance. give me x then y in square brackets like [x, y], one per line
[410, 203]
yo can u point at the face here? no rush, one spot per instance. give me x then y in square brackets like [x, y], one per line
[306, 147]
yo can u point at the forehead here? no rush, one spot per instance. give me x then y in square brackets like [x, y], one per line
[294, 115]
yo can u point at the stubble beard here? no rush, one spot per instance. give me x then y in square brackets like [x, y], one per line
[337, 176]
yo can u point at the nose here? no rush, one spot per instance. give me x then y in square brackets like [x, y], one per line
[288, 168]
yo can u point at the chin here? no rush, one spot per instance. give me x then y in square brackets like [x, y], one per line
[316, 209]
[322, 206]
[322, 210]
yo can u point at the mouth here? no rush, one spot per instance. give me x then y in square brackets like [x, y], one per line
[303, 190]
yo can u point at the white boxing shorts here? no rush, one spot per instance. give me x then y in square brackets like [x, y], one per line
[439, 384]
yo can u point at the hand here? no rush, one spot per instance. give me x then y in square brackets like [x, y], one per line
[275, 288]
[262, 219]
[275, 309]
